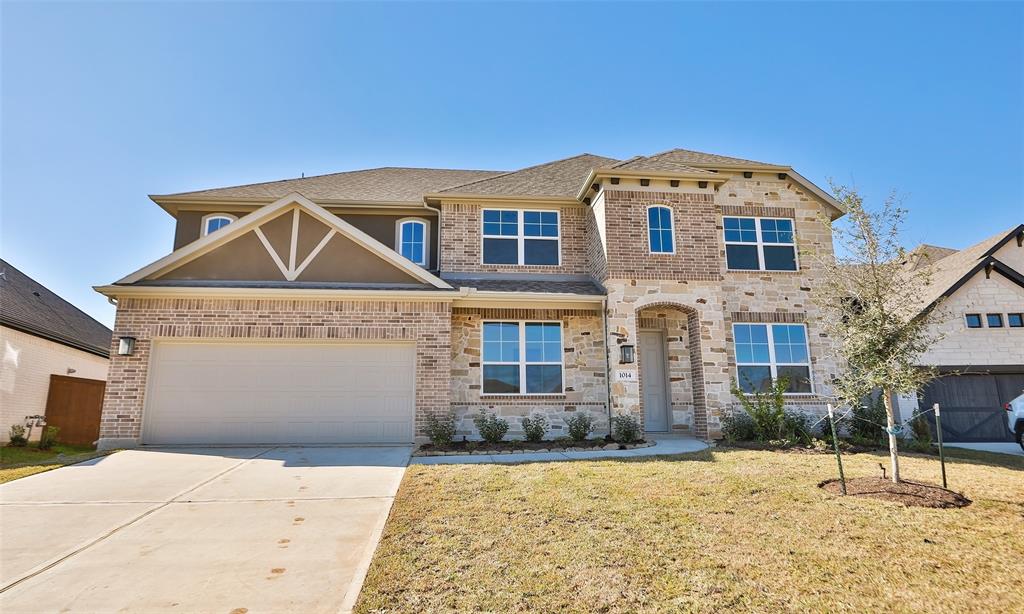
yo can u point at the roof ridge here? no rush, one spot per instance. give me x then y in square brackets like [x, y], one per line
[525, 168]
[708, 153]
[334, 174]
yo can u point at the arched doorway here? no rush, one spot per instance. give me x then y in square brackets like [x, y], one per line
[672, 391]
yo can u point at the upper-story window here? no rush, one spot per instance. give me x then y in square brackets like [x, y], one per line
[766, 352]
[660, 235]
[216, 221]
[520, 237]
[759, 244]
[413, 240]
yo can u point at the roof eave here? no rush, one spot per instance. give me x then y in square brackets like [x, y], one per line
[643, 174]
[497, 198]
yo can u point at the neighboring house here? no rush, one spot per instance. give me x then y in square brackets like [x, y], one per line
[42, 335]
[979, 294]
[351, 307]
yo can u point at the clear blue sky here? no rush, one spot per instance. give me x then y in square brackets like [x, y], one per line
[103, 104]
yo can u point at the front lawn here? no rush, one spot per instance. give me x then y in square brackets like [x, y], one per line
[720, 529]
[18, 462]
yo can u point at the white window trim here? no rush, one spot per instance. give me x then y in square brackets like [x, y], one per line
[426, 237]
[671, 229]
[760, 244]
[214, 216]
[1002, 320]
[773, 365]
[521, 236]
[522, 362]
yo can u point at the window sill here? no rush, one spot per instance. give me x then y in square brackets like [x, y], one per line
[763, 271]
[524, 395]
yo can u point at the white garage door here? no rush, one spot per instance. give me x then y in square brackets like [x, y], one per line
[204, 393]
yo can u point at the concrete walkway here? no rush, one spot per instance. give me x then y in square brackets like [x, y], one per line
[271, 529]
[664, 445]
[998, 447]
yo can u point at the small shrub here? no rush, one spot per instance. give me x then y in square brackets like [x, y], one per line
[580, 425]
[48, 437]
[535, 427]
[441, 431]
[766, 409]
[626, 428]
[921, 430]
[796, 428]
[492, 428]
[17, 436]
[868, 423]
[738, 426]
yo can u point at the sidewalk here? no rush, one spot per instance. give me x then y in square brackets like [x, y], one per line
[663, 445]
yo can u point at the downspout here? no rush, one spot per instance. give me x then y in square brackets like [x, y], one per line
[607, 362]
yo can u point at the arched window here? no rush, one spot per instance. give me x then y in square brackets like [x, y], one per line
[413, 240]
[660, 235]
[216, 221]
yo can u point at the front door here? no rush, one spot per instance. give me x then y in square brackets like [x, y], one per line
[655, 382]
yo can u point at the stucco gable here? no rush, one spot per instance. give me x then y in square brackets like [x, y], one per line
[285, 241]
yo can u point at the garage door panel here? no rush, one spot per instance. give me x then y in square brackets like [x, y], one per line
[971, 406]
[237, 393]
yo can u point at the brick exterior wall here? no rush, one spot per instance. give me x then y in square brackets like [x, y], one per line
[28, 363]
[697, 253]
[462, 241]
[427, 323]
[584, 367]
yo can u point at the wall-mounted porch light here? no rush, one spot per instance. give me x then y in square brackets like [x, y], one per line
[627, 354]
[126, 346]
[615, 181]
[702, 184]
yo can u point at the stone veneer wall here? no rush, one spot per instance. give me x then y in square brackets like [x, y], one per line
[462, 240]
[673, 322]
[696, 278]
[428, 323]
[585, 380]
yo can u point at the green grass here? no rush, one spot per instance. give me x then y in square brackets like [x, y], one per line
[718, 530]
[18, 462]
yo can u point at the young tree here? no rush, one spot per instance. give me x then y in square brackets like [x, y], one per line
[875, 307]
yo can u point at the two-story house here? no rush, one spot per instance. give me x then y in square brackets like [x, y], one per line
[350, 307]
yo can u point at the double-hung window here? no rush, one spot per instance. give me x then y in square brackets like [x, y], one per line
[660, 238]
[522, 358]
[520, 237]
[766, 352]
[759, 244]
[413, 241]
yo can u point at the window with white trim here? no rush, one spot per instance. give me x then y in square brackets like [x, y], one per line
[759, 244]
[660, 235]
[413, 240]
[766, 352]
[520, 237]
[216, 221]
[522, 358]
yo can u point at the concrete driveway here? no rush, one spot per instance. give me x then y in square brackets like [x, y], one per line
[272, 529]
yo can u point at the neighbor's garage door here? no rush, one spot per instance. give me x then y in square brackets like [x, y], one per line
[972, 405]
[276, 393]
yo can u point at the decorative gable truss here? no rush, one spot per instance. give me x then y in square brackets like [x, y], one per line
[290, 240]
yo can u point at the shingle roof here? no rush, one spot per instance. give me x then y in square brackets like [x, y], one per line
[28, 306]
[560, 178]
[390, 184]
[653, 163]
[531, 285]
[700, 158]
[925, 254]
[948, 271]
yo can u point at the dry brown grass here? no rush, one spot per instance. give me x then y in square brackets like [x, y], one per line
[718, 530]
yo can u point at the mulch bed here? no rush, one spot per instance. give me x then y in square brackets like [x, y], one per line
[908, 493]
[482, 447]
[845, 447]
